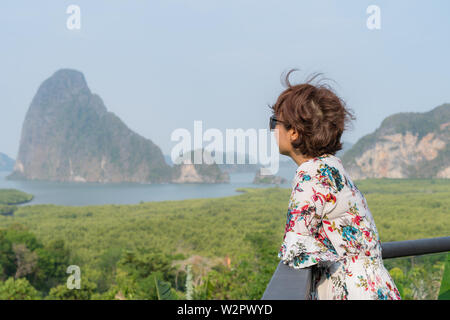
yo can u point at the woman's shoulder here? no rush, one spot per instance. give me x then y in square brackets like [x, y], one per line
[326, 170]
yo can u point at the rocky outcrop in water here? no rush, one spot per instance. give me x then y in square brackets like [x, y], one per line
[187, 171]
[268, 179]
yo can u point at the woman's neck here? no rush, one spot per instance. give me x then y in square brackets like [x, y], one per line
[299, 158]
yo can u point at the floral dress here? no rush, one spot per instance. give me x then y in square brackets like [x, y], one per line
[329, 226]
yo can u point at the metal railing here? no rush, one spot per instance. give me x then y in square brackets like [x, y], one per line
[294, 284]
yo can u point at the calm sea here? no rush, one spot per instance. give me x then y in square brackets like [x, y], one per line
[80, 194]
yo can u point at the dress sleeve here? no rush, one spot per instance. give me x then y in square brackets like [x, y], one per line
[302, 244]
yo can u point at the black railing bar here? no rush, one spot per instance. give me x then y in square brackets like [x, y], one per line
[397, 249]
[294, 284]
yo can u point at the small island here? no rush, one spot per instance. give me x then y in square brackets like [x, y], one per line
[10, 198]
[268, 179]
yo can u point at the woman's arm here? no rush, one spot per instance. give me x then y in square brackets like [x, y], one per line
[309, 202]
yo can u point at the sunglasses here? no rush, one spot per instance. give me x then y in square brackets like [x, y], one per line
[273, 122]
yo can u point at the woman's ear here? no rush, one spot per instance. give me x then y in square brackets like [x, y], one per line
[293, 134]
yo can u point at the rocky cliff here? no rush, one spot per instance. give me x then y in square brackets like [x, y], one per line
[68, 135]
[406, 145]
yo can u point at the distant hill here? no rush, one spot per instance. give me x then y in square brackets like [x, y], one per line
[205, 172]
[6, 163]
[346, 145]
[168, 159]
[406, 145]
[238, 167]
[68, 135]
[230, 168]
[268, 179]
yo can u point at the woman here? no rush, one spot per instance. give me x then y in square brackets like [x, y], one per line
[329, 225]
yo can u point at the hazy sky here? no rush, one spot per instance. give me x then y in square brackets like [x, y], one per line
[161, 64]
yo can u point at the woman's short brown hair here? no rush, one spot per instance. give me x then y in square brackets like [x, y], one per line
[316, 113]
